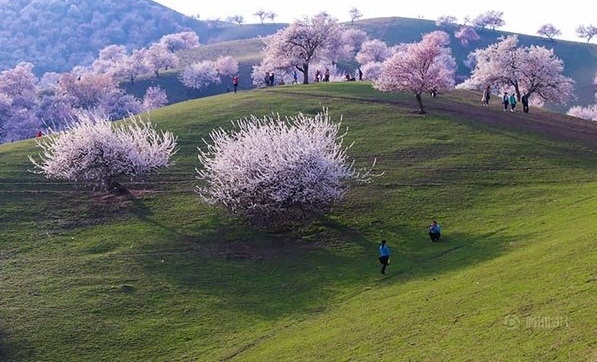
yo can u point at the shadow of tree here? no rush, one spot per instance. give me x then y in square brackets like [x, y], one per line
[13, 350]
[274, 275]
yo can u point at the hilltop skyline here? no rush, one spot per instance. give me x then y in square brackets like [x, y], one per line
[520, 17]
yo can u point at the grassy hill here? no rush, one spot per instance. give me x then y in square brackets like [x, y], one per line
[580, 59]
[162, 277]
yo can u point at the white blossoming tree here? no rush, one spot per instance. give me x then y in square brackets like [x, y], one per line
[93, 149]
[200, 74]
[271, 169]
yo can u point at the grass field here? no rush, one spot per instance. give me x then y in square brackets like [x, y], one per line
[162, 277]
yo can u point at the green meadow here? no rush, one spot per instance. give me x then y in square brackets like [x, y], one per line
[161, 276]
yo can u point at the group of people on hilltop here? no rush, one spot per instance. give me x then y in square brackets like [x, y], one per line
[269, 79]
[319, 77]
[509, 101]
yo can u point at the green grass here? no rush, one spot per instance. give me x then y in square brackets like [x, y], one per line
[163, 277]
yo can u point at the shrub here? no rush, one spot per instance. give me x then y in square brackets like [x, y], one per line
[271, 169]
[93, 149]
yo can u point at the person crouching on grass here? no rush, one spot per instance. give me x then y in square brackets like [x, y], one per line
[435, 231]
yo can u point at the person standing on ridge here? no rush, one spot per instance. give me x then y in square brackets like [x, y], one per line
[505, 101]
[512, 101]
[486, 96]
[235, 83]
[384, 256]
[525, 103]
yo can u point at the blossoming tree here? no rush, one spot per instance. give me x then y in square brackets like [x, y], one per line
[549, 31]
[589, 112]
[200, 74]
[270, 168]
[302, 43]
[466, 34]
[425, 66]
[94, 150]
[532, 71]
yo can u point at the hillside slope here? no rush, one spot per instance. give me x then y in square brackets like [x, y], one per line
[57, 35]
[161, 276]
[580, 59]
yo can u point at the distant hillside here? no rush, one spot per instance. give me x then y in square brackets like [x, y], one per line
[56, 35]
[580, 59]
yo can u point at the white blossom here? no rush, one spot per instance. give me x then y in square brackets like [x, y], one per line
[93, 149]
[272, 167]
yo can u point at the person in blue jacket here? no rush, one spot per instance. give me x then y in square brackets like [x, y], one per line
[435, 231]
[384, 256]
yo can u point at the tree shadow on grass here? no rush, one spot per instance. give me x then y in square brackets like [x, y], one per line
[453, 251]
[13, 350]
[274, 275]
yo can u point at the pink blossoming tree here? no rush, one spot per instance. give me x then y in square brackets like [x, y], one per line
[589, 112]
[303, 43]
[466, 34]
[549, 31]
[533, 71]
[426, 66]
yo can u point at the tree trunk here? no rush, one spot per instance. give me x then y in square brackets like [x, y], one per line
[117, 189]
[305, 71]
[420, 101]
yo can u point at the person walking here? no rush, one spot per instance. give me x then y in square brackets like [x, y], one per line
[505, 101]
[512, 101]
[384, 256]
[486, 96]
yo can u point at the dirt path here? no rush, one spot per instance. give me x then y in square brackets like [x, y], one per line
[553, 125]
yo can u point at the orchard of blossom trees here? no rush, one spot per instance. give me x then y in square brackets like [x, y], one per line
[296, 53]
[29, 104]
